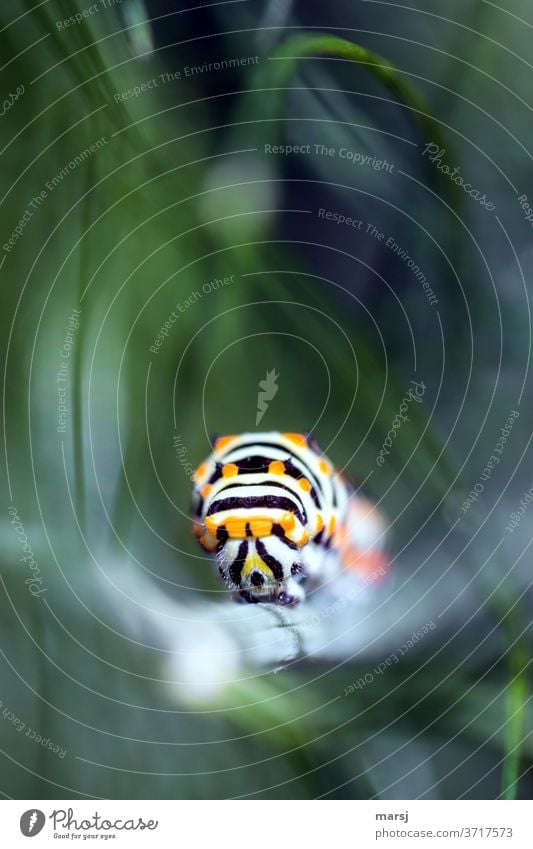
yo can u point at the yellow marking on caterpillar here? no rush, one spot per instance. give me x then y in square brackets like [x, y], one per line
[253, 561]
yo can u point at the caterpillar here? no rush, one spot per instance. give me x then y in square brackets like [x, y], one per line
[278, 517]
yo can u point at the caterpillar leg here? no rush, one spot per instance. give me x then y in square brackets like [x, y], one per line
[286, 593]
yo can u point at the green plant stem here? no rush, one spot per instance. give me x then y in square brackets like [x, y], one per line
[77, 389]
[277, 73]
[517, 694]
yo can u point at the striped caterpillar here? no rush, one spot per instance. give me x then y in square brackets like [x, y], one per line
[277, 516]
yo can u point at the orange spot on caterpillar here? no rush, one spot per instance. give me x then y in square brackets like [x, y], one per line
[211, 525]
[209, 544]
[224, 441]
[236, 527]
[260, 526]
[319, 522]
[305, 484]
[288, 521]
[324, 467]
[296, 438]
[230, 470]
[373, 565]
[200, 472]
[277, 467]
[205, 490]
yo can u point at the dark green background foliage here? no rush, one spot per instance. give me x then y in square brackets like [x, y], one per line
[181, 193]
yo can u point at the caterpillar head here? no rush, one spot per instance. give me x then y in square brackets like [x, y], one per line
[262, 569]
